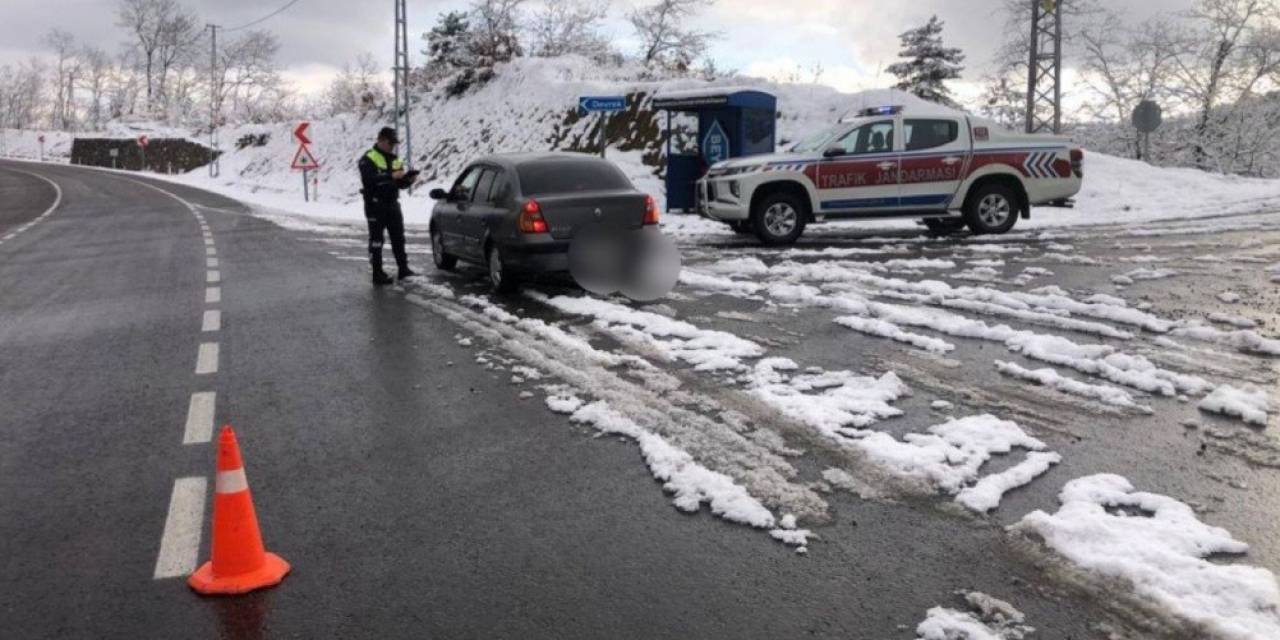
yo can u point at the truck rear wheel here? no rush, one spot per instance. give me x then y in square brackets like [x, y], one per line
[992, 208]
[778, 219]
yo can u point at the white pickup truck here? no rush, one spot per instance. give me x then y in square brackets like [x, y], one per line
[944, 167]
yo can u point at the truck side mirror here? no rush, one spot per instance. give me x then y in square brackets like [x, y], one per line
[439, 194]
[833, 152]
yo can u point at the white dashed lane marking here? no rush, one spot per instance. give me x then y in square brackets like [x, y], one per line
[213, 276]
[180, 543]
[213, 295]
[210, 251]
[57, 200]
[207, 359]
[211, 263]
[200, 416]
[212, 320]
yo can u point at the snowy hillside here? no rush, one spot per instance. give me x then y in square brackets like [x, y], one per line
[532, 105]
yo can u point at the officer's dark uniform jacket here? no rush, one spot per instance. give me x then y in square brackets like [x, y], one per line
[376, 167]
[382, 204]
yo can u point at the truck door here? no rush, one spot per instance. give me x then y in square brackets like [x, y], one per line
[933, 161]
[859, 173]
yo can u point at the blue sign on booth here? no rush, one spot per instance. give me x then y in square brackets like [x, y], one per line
[715, 146]
[602, 104]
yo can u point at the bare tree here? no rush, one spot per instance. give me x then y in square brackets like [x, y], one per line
[22, 90]
[563, 27]
[66, 69]
[1205, 70]
[163, 32]
[246, 72]
[358, 88]
[95, 80]
[664, 38]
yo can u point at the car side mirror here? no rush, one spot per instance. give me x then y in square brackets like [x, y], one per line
[439, 194]
[833, 152]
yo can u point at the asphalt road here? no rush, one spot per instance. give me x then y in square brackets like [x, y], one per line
[414, 490]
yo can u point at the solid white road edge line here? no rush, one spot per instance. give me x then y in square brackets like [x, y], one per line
[57, 200]
[212, 320]
[180, 544]
[207, 359]
[200, 415]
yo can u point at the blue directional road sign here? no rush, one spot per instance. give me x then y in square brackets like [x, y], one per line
[602, 104]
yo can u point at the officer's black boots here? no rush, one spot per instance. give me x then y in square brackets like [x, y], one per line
[380, 278]
[406, 272]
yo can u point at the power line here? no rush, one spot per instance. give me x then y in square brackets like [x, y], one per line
[264, 18]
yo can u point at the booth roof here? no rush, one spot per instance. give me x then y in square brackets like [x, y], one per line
[725, 96]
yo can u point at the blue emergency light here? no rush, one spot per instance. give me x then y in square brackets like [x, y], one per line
[882, 111]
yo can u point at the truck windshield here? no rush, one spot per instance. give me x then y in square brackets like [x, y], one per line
[820, 140]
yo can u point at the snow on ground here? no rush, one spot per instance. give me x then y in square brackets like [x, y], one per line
[1157, 544]
[1250, 405]
[950, 455]
[988, 618]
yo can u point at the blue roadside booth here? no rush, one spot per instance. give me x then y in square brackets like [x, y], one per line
[732, 123]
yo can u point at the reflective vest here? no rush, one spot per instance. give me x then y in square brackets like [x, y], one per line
[380, 161]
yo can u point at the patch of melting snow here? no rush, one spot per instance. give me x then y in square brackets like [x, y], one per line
[1143, 273]
[1250, 404]
[1240, 322]
[988, 618]
[1163, 553]
[1243, 340]
[1229, 297]
[950, 456]
[884, 329]
[1049, 377]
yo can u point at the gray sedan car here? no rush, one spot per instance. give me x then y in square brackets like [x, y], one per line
[518, 213]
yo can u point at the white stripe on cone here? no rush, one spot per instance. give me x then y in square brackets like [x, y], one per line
[231, 481]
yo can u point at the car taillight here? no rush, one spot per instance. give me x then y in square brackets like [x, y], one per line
[1077, 162]
[650, 211]
[531, 220]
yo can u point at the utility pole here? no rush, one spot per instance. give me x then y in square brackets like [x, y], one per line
[215, 87]
[1044, 69]
[401, 72]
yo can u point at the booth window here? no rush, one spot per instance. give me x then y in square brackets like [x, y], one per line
[759, 125]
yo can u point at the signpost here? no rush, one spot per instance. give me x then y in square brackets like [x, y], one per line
[304, 160]
[1147, 117]
[606, 105]
[142, 144]
[40, 139]
[114, 153]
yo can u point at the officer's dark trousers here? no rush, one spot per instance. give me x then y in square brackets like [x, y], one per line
[386, 218]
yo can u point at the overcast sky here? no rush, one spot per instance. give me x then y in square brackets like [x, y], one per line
[852, 39]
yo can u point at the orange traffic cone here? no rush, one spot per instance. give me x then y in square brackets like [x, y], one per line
[239, 563]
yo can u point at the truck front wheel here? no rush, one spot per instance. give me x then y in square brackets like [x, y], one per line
[992, 208]
[778, 219]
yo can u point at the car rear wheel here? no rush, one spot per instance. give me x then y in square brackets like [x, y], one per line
[500, 276]
[443, 260]
[778, 219]
[993, 208]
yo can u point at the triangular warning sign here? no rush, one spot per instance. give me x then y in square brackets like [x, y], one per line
[303, 160]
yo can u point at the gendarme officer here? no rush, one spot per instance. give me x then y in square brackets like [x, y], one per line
[382, 175]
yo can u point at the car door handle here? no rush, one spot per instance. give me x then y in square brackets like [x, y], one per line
[885, 166]
[950, 160]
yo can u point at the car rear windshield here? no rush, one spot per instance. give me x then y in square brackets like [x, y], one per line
[575, 176]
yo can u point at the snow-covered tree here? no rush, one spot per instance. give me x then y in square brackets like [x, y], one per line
[563, 27]
[665, 38]
[358, 89]
[1004, 100]
[927, 65]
